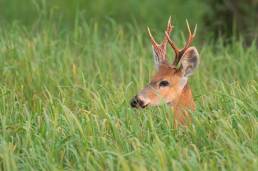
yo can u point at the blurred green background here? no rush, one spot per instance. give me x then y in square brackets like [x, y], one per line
[215, 18]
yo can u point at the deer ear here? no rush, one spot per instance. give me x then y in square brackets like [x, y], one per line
[158, 59]
[189, 61]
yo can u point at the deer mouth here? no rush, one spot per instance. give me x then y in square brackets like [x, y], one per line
[139, 106]
[144, 106]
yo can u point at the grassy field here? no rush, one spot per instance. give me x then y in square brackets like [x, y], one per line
[64, 103]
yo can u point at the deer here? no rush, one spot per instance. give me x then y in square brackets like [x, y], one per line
[169, 84]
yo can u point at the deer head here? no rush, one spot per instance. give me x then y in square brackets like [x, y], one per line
[169, 83]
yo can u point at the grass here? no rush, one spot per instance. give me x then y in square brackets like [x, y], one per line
[64, 104]
[126, 12]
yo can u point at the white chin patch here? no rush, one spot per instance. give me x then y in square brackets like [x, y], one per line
[183, 82]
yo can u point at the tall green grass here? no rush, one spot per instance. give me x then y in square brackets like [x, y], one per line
[64, 103]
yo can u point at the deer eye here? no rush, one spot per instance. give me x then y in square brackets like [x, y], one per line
[163, 83]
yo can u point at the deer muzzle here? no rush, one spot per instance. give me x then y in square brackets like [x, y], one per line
[136, 102]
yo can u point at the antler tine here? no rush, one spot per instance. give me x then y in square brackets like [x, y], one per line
[168, 30]
[190, 36]
[153, 42]
[176, 50]
[160, 49]
[180, 52]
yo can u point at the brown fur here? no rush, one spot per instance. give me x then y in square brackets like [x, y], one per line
[183, 102]
[178, 97]
[183, 105]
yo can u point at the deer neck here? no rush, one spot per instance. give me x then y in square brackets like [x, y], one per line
[182, 105]
[185, 100]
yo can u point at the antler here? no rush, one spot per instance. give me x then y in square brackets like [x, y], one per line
[179, 52]
[160, 49]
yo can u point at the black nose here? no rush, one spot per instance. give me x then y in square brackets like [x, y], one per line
[136, 102]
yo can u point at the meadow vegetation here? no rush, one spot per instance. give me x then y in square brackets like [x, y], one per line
[65, 93]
